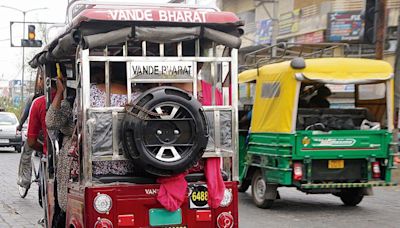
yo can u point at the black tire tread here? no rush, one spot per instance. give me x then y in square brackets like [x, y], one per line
[266, 203]
[351, 197]
[141, 160]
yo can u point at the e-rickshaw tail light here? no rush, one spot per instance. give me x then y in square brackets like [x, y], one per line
[103, 223]
[297, 171]
[102, 203]
[376, 169]
[225, 220]
[227, 200]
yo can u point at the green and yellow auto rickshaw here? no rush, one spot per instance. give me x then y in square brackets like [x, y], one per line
[304, 138]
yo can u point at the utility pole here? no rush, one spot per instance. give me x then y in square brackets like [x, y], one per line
[23, 59]
[381, 29]
[275, 20]
[397, 91]
[275, 26]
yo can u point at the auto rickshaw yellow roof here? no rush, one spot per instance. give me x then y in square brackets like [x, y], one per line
[327, 70]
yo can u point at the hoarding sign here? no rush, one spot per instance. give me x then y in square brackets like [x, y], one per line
[289, 22]
[345, 26]
[263, 32]
[312, 37]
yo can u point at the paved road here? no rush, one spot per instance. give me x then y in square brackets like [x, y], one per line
[294, 210]
[14, 211]
[297, 209]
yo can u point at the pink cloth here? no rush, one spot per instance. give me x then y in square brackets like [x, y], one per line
[212, 170]
[215, 183]
[173, 189]
[207, 94]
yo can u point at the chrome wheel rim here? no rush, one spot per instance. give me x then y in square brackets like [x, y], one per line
[260, 187]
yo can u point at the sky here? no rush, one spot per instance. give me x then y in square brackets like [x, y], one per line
[11, 57]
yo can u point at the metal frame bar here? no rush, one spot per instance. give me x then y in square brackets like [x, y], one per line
[235, 118]
[295, 108]
[107, 78]
[87, 162]
[115, 134]
[389, 105]
[152, 59]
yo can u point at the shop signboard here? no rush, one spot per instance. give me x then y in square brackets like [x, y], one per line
[310, 38]
[289, 22]
[344, 26]
[264, 32]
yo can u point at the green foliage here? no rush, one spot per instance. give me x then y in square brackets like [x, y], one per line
[8, 106]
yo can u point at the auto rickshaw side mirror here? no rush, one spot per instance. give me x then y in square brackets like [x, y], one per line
[298, 63]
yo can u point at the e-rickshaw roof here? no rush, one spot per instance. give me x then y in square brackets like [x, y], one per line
[326, 70]
[277, 87]
[127, 20]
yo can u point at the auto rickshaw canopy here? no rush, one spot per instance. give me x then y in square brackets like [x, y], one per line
[278, 85]
[97, 25]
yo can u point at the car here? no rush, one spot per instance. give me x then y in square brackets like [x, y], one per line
[9, 135]
[24, 132]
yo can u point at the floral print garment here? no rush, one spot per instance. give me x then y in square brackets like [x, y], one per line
[98, 98]
[61, 119]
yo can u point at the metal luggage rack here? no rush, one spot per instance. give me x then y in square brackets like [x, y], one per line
[213, 111]
[284, 51]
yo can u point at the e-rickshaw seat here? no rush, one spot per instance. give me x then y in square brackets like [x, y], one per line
[344, 119]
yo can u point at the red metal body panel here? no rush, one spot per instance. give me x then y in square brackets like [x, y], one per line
[75, 209]
[133, 201]
[158, 15]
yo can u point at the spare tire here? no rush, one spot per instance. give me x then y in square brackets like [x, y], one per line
[165, 132]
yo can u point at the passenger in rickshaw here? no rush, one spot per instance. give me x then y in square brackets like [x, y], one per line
[118, 90]
[60, 118]
[314, 96]
[320, 99]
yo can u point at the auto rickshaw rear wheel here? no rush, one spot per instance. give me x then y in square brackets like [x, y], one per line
[351, 196]
[165, 131]
[259, 191]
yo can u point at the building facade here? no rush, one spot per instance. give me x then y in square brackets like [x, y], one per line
[311, 21]
[15, 90]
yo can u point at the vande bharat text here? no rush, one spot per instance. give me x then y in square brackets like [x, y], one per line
[160, 15]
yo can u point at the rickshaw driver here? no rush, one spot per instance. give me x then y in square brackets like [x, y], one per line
[25, 165]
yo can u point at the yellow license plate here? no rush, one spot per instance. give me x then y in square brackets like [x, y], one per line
[335, 164]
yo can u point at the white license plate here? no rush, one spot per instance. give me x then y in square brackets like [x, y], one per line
[4, 140]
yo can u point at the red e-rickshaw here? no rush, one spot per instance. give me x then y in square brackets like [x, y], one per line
[165, 131]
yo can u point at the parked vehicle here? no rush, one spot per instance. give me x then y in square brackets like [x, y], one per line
[9, 135]
[24, 132]
[164, 131]
[294, 143]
